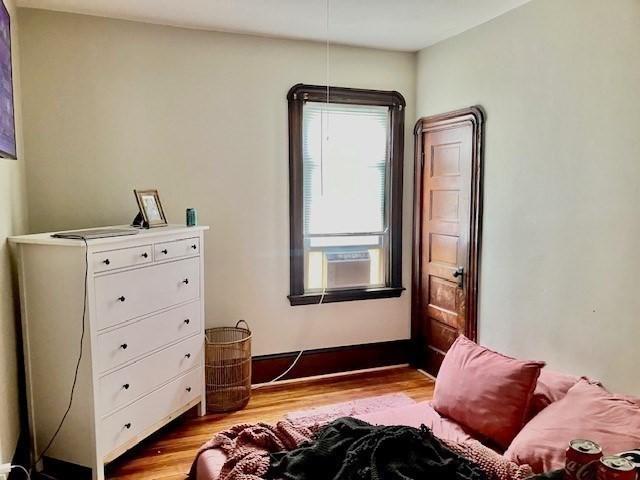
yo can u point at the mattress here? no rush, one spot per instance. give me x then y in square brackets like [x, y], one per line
[210, 462]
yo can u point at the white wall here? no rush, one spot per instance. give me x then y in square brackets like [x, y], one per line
[560, 83]
[112, 105]
[13, 221]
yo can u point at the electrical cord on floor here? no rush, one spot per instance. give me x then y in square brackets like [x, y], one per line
[284, 374]
[297, 359]
[20, 467]
[75, 375]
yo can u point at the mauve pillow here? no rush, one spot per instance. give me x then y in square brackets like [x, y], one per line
[484, 391]
[587, 411]
[552, 386]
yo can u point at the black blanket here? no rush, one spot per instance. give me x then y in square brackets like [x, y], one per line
[350, 449]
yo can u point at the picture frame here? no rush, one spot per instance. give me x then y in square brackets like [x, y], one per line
[7, 114]
[150, 208]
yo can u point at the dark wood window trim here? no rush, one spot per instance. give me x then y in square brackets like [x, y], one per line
[297, 96]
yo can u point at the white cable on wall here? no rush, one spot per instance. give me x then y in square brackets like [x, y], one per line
[297, 359]
[322, 134]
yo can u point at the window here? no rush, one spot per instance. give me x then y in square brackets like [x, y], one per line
[345, 186]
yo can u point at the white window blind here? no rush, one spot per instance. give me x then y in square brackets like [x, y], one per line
[345, 165]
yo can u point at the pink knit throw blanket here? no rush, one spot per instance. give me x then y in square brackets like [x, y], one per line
[247, 447]
[494, 465]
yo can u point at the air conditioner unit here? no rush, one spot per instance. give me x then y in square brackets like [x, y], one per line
[348, 269]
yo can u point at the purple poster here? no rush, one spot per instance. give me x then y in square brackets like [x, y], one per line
[7, 124]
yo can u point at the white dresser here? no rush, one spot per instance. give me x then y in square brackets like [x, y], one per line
[143, 358]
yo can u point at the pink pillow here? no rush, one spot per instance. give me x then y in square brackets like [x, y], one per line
[587, 411]
[552, 386]
[485, 391]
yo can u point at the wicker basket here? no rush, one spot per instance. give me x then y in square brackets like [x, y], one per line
[228, 367]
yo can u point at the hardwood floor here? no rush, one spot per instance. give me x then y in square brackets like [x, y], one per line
[167, 455]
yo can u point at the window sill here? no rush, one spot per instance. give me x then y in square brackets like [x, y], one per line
[346, 295]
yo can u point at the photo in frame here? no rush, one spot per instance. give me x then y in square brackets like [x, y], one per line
[7, 120]
[150, 208]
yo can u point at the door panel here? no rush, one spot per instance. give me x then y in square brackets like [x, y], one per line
[444, 249]
[446, 239]
[441, 337]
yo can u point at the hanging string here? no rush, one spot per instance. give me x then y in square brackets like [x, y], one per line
[327, 50]
[324, 115]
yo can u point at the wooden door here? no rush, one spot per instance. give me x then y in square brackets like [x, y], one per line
[447, 234]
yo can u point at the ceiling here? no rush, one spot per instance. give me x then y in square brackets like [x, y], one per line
[407, 25]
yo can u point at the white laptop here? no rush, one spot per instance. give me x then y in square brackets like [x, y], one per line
[94, 233]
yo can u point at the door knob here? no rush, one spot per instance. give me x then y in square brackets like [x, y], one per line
[459, 274]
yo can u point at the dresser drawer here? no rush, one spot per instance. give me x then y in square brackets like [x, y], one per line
[122, 296]
[176, 249]
[138, 418]
[125, 257]
[127, 384]
[136, 339]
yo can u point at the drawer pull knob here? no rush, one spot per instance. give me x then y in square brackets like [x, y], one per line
[127, 426]
[106, 261]
[165, 251]
[185, 281]
[126, 386]
[186, 322]
[188, 389]
[194, 246]
[145, 255]
[122, 299]
[188, 355]
[124, 346]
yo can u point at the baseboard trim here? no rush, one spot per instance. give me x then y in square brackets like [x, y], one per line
[350, 373]
[54, 468]
[326, 361]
